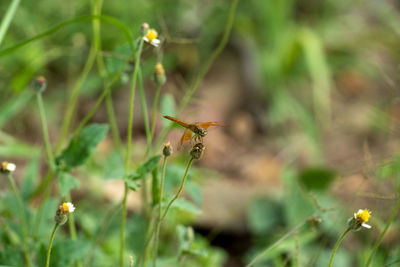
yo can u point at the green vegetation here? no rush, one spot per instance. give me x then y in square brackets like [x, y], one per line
[93, 175]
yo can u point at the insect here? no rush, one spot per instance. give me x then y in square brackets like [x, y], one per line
[199, 129]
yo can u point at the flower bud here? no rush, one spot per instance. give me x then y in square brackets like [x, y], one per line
[197, 150]
[159, 74]
[63, 210]
[39, 84]
[7, 167]
[144, 28]
[167, 150]
[189, 234]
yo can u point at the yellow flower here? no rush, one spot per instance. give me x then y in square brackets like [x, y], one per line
[7, 167]
[151, 37]
[67, 207]
[362, 216]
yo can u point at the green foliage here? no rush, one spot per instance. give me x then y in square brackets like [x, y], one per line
[144, 168]
[66, 183]
[81, 146]
[317, 178]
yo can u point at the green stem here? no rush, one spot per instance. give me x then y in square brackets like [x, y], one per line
[5, 23]
[155, 111]
[128, 150]
[167, 209]
[45, 131]
[96, 10]
[143, 103]
[179, 190]
[50, 244]
[265, 251]
[144, 111]
[197, 80]
[337, 245]
[380, 238]
[73, 99]
[159, 211]
[22, 218]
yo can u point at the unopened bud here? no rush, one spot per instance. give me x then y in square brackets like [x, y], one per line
[167, 150]
[197, 150]
[159, 74]
[144, 28]
[189, 234]
[39, 84]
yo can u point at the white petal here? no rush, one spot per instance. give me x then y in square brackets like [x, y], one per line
[366, 225]
[71, 207]
[146, 39]
[11, 167]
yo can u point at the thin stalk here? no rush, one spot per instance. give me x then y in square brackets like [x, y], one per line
[144, 111]
[22, 218]
[143, 103]
[96, 10]
[155, 111]
[159, 211]
[50, 158]
[73, 99]
[5, 23]
[265, 251]
[337, 245]
[206, 67]
[179, 190]
[45, 131]
[50, 244]
[168, 207]
[128, 150]
[380, 238]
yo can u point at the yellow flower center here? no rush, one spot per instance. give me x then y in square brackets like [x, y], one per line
[363, 216]
[159, 69]
[151, 35]
[65, 208]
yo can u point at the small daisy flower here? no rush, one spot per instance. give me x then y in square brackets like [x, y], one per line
[151, 37]
[67, 207]
[359, 219]
[62, 212]
[7, 167]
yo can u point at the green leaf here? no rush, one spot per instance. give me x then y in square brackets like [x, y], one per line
[66, 183]
[186, 206]
[81, 146]
[317, 178]
[144, 168]
[167, 107]
[132, 184]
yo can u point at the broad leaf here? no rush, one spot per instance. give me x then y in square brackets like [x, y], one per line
[66, 182]
[186, 206]
[144, 168]
[317, 178]
[81, 146]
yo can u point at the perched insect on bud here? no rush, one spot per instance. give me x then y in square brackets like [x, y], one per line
[63, 210]
[167, 150]
[39, 84]
[159, 74]
[144, 28]
[197, 150]
[7, 167]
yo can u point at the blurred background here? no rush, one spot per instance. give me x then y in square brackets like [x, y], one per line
[309, 93]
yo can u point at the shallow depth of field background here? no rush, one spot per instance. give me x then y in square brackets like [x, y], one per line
[309, 91]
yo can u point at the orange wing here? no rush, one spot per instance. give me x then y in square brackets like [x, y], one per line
[187, 136]
[207, 124]
[181, 123]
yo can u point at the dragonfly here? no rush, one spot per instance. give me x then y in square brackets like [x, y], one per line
[199, 129]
